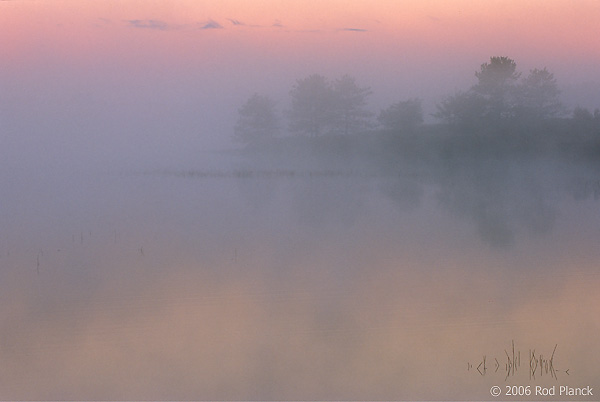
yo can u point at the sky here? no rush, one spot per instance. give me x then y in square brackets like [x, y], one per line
[126, 81]
[135, 286]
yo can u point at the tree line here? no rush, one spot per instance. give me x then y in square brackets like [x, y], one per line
[502, 95]
[321, 106]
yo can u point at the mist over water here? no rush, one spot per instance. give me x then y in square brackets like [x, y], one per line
[253, 278]
[326, 200]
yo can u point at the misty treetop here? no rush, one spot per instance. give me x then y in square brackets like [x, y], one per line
[349, 106]
[257, 120]
[539, 95]
[311, 111]
[496, 77]
[502, 94]
[404, 115]
[503, 100]
[320, 106]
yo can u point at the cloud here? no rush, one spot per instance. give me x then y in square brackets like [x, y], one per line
[211, 24]
[165, 26]
[354, 29]
[235, 22]
[243, 24]
[150, 24]
[277, 24]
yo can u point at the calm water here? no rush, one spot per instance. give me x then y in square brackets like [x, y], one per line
[240, 280]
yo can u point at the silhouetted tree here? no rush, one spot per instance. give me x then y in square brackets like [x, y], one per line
[257, 120]
[319, 106]
[496, 76]
[582, 114]
[312, 105]
[538, 95]
[584, 121]
[496, 84]
[465, 110]
[499, 97]
[405, 115]
[349, 101]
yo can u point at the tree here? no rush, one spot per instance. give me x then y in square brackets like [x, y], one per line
[499, 97]
[405, 115]
[495, 77]
[349, 101]
[538, 95]
[491, 99]
[319, 106]
[466, 110]
[584, 120]
[496, 83]
[257, 120]
[312, 100]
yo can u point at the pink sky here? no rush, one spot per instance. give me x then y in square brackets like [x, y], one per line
[140, 291]
[167, 58]
[548, 29]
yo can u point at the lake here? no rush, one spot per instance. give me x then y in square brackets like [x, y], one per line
[241, 279]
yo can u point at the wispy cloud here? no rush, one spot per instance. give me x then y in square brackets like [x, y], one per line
[160, 25]
[210, 24]
[238, 23]
[150, 24]
[354, 30]
[235, 22]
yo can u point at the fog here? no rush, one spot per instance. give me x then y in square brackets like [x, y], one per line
[80, 118]
[246, 279]
[129, 85]
[177, 224]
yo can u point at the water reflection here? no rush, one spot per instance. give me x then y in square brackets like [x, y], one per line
[306, 282]
[499, 197]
